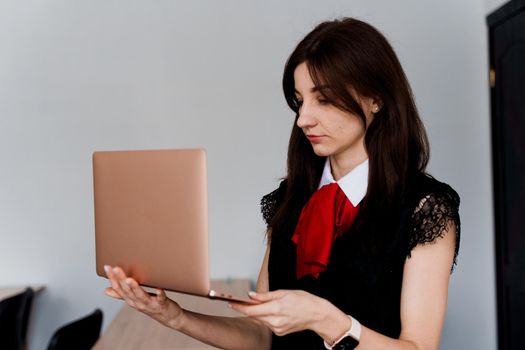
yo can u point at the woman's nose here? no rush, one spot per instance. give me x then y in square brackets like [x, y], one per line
[306, 118]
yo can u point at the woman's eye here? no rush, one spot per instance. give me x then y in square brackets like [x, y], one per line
[322, 101]
[299, 103]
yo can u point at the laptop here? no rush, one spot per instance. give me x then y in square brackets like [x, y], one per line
[151, 219]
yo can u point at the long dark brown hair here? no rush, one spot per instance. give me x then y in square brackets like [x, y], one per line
[347, 54]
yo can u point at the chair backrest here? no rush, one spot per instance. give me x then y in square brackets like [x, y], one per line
[14, 318]
[81, 334]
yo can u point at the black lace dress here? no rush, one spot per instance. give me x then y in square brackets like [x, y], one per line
[366, 286]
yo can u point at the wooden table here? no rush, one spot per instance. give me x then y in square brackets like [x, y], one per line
[8, 292]
[132, 330]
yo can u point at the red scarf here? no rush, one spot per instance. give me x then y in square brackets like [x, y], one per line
[326, 216]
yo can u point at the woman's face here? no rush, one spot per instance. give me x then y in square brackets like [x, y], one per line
[331, 131]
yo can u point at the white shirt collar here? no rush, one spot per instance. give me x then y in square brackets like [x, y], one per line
[354, 184]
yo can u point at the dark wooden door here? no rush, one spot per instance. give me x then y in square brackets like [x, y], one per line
[507, 87]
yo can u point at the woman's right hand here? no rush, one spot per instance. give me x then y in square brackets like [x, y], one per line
[158, 307]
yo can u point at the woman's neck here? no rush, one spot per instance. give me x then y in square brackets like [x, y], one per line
[343, 165]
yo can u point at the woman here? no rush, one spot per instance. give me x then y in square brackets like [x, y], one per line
[347, 263]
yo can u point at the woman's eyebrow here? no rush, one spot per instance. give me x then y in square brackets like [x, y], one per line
[319, 88]
[315, 89]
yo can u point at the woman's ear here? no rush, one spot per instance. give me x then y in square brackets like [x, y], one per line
[377, 104]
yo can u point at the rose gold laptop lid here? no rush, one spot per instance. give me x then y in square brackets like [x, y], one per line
[151, 218]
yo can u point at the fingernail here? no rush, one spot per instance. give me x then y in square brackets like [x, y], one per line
[251, 293]
[106, 268]
[229, 305]
[128, 281]
[115, 270]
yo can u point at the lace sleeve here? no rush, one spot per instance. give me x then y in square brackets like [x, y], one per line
[431, 218]
[269, 202]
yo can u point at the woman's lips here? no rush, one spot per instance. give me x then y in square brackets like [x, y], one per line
[314, 138]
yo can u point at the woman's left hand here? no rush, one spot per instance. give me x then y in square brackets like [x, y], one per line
[285, 311]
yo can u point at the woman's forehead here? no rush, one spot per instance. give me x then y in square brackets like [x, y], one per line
[304, 81]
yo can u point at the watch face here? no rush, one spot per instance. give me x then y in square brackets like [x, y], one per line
[346, 343]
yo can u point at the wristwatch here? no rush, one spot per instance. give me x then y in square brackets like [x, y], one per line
[349, 340]
[346, 343]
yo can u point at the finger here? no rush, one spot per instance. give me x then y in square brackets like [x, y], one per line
[124, 287]
[266, 296]
[137, 290]
[161, 295]
[112, 278]
[253, 310]
[141, 300]
[111, 292]
[119, 273]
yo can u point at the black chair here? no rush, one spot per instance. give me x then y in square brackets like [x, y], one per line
[81, 334]
[14, 318]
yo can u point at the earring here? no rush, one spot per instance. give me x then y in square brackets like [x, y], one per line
[377, 106]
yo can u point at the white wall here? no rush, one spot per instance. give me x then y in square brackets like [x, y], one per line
[492, 5]
[82, 76]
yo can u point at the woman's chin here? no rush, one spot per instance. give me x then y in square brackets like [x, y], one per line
[320, 151]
